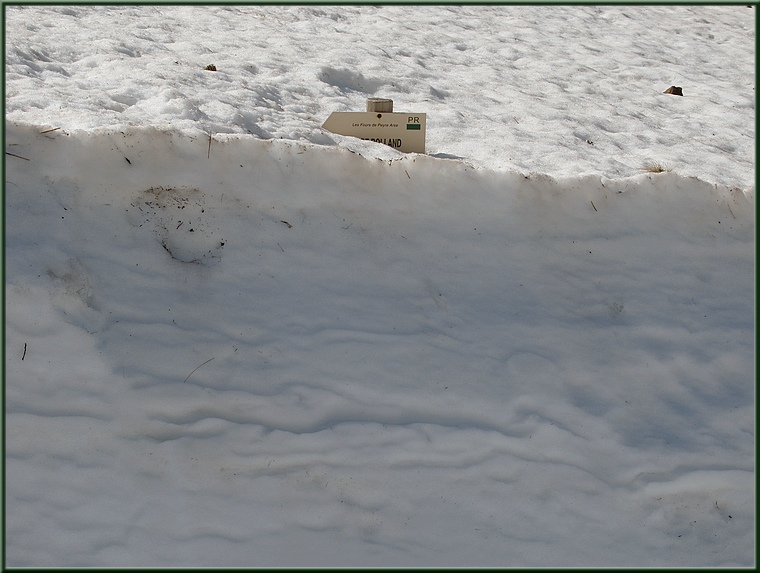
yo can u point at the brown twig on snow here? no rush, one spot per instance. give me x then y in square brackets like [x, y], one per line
[209, 146]
[14, 155]
[49, 130]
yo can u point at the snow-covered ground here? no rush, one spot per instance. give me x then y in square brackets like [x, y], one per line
[294, 348]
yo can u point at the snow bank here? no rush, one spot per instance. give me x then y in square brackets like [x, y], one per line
[563, 90]
[215, 355]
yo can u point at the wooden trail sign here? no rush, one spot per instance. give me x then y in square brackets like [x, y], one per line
[402, 131]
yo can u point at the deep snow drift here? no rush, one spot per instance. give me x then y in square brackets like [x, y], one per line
[413, 362]
[327, 353]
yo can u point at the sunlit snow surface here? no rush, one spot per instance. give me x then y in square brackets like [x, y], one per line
[292, 348]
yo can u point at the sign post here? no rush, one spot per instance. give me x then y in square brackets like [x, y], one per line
[402, 131]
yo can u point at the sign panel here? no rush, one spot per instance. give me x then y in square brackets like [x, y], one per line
[403, 131]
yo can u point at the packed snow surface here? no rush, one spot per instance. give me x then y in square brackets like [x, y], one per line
[564, 91]
[233, 338]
